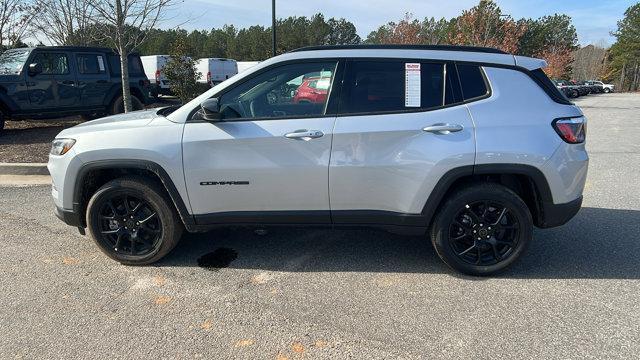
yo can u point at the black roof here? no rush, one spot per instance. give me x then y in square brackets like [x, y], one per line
[403, 47]
[75, 48]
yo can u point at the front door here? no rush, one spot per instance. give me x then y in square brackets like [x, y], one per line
[267, 160]
[55, 88]
[400, 127]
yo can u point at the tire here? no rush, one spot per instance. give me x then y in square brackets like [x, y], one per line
[501, 237]
[1, 121]
[117, 105]
[133, 221]
[607, 90]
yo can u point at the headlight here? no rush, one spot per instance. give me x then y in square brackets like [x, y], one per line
[61, 146]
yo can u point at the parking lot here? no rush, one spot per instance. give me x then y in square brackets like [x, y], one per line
[321, 294]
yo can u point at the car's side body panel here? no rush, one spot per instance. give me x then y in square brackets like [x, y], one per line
[513, 126]
[388, 163]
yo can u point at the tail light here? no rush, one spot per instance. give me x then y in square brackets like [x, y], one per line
[209, 77]
[157, 77]
[571, 130]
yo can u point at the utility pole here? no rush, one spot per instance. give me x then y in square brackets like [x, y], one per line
[273, 27]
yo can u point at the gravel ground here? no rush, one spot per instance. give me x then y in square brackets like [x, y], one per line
[29, 141]
[321, 294]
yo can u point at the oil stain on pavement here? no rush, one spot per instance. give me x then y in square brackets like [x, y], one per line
[218, 259]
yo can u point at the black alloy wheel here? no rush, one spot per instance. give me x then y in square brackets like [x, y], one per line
[482, 229]
[133, 220]
[129, 225]
[484, 233]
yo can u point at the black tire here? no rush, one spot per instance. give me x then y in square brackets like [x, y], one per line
[488, 242]
[1, 121]
[607, 90]
[117, 105]
[143, 238]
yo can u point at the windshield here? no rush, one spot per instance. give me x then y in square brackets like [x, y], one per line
[12, 61]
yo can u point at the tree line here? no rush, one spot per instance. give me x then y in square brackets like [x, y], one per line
[97, 22]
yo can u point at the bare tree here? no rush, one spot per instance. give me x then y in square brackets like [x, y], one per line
[126, 24]
[590, 62]
[65, 22]
[15, 16]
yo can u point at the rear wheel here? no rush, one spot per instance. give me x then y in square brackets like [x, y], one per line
[607, 90]
[132, 221]
[117, 106]
[482, 229]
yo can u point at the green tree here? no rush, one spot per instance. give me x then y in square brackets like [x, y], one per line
[625, 52]
[181, 71]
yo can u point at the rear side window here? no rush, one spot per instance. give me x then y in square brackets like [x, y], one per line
[135, 65]
[549, 87]
[393, 86]
[90, 64]
[472, 81]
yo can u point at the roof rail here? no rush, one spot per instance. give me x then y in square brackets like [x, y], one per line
[403, 47]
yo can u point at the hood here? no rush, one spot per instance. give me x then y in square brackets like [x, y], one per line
[115, 122]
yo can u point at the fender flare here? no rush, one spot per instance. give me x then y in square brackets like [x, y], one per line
[165, 179]
[543, 191]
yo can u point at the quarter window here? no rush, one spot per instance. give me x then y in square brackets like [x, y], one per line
[52, 63]
[296, 90]
[472, 81]
[392, 86]
[90, 64]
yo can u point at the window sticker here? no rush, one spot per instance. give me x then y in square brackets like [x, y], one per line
[412, 85]
[100, 63]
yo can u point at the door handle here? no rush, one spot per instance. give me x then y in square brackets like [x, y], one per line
[305, 135]
[443, 129]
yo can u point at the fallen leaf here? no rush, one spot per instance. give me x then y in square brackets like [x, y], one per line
[161, 300]
[206, 325]
[244, 342]
[297, 347]
[67, 260]
[320, 343]
[261, 278]
[159, 280]
[281, 357]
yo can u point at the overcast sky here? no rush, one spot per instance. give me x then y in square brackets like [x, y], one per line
[594, 19]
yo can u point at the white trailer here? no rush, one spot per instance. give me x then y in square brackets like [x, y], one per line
[153, 67]
[215, 70]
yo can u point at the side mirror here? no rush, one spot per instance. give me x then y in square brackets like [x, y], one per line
[35, 69]
[210, 110]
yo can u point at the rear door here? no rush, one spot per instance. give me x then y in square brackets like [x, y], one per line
[93, 79]
[400, 127]
[268, 160]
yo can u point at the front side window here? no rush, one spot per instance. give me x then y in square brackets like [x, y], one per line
[394, 86]
[90, 64]
[295, 90]
[52, 63]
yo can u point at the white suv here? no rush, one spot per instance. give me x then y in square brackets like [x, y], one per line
[471, 146]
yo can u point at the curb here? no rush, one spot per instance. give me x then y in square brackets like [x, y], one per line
[23, 169]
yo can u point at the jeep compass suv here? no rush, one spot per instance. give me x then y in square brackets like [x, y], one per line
[471, 147]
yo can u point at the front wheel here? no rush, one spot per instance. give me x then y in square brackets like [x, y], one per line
[482, 229]
[132, 221]
[607, 90]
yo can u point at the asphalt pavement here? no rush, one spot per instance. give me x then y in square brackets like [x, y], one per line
[322, 294]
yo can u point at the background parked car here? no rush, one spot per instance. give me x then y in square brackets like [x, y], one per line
[606, 88]
[567, 89]
[56, 81]
[153, 66]
[215, 70]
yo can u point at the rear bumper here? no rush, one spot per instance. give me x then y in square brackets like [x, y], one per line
[69, 217]
[559, 214]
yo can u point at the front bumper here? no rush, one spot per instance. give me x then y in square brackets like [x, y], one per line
[559, 214]
[70, 217]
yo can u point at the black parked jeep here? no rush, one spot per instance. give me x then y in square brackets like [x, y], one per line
[55, 81]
